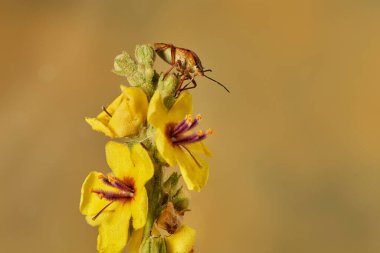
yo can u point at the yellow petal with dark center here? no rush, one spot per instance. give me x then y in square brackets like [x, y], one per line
[194, 170]
[182, 107]
[91, 203]
[119, 159]
[181, 241]
[139, 207]
[113, 231]
[166, 149]
[157, 112]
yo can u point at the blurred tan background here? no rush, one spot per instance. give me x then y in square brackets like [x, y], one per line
[296, 164]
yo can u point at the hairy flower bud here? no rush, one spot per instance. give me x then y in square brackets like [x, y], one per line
[145, 54]
[167, 88]
[124, 65]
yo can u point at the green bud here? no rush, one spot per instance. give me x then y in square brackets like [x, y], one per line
[149, 73]
[136, 79]
[171, 182]
[168, 85]
[124, 65]
[153, 245]
[167, 88]
[181, 204]
[145, 54]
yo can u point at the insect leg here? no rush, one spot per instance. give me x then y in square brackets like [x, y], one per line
[186, 87]
[167, 72]
[184, 77]
[177, 64]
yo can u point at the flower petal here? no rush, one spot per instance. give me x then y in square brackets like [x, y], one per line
[113, 231]
[157, 112]
[135, 241]
[181, 241]
[99, 126]
[90, 203]
[119, 159]
[140, 208]
[103, 116]
[182, 107]
[165, 148]
[111, 108]
[143, 166]
[199, 147]
[137, 101]
[131, 113]
[122, 123]
[124, 116]
[195, 173]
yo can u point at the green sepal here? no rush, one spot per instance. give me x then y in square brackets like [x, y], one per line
[153, 245]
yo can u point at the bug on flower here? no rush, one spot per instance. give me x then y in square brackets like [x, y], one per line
[186, 62]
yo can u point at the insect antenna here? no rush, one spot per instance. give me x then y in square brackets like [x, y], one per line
[207, 70]
[217, 82]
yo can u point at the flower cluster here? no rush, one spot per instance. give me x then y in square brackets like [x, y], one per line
[152, 130]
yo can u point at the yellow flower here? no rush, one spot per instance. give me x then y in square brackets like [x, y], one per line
[111, 200]
[176, 143]
[182, 241]
[124, 116]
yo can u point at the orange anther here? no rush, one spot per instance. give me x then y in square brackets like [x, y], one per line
[189, 119]
[200, 133]
[209, 131]
[199, 117]
[111, 179]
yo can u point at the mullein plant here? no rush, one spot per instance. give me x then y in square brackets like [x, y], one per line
[141, 203]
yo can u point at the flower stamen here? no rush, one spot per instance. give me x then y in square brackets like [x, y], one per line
[192, 156]
[126, 191]
[101, 211]
[107, 112]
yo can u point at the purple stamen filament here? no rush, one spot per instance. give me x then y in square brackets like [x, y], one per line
[125, 191]
[176, 134]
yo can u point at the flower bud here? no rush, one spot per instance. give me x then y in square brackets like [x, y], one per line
[167, 88]
[145, 54]
[171, 182]
[181, 204]
[169, 220]
[124, 65]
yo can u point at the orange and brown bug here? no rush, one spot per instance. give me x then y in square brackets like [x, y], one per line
[186, 62]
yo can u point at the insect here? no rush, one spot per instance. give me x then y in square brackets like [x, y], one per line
[186, 62]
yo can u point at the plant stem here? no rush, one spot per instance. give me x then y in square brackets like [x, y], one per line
[154, 201]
